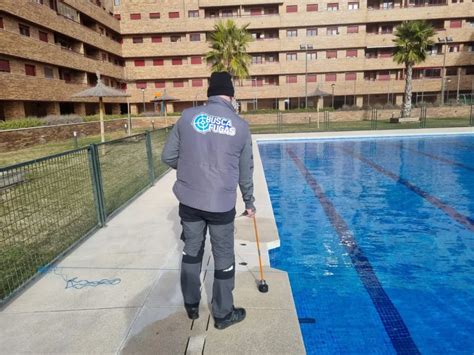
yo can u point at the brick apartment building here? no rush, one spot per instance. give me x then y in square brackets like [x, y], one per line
[50, 49]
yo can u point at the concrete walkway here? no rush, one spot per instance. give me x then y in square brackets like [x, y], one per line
[142, 313]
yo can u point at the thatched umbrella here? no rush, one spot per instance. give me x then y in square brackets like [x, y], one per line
[319, 94]
[101, 90]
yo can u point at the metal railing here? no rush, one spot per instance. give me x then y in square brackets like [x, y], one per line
[48, 205]
[326, 121]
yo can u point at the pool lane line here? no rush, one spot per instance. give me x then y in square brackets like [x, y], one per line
[466, 221]
[435, 157]
[391, 319]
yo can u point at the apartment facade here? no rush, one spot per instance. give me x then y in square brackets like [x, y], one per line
[51, 49]
[302, 50]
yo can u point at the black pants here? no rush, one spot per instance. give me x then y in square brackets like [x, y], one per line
[221, 228]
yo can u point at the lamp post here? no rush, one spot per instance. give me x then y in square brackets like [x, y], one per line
[255, 102]
[447, 89]
[306, 47]
[332, 98]
[143, 98]
[444, 41]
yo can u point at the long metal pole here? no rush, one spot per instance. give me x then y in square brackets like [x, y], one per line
[332, 101]
[457, 87]
[443, 81]
[143, 97]
[129, 118]
[306, 79]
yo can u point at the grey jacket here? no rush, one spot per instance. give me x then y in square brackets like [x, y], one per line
[211, 148]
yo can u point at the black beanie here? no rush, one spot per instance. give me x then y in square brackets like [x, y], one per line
[220, 84]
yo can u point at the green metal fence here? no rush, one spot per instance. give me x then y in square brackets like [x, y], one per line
[324, 122]
[50, 204]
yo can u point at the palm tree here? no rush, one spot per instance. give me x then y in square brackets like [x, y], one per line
[412, 40]
[229, 49]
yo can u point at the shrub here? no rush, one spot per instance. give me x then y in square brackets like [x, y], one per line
[21, 123]
[52, 120]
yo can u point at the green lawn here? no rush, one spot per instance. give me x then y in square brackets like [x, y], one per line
[49, 204]
[41, 150]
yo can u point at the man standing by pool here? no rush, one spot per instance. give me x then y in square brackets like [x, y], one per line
[211, 148]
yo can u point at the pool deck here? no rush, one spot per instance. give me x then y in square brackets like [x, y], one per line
[143, 314]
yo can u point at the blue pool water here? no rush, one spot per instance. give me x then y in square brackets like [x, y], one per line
[377, 237]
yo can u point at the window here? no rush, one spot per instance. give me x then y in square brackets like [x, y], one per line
[453, 48]
[139, 62]
[332, 31]
[383, 75]
[331, 77]
[370, 75]
[351, 53]
[196, 82]
[156, 39]
[104, 57]
[227, 13]
[159, 84]
[30, 70]
[452, 71]
[331, 54]
[311, 55]
[470, 70]
[311, 78]
[135, 16]
[291, 56]
[333, 6]
[48, 73]
[196, 60]
[385, 53]
[154, 15]
[25, 30]
[1, 22]
[351, 76]
[257, 59]
[291, 8]
[137, 39]
[311, 7]
[195, 37]
[291, 79]
[353, 29]
[177, 61]
[141, 84]
[257, 81]
[256, 11]
[386, 29]
[455, 24]
[158, 61]
[118, 17]
[43, 36]
[173, 14]
[175, 39]
[178, 83]
[4, 66]
[291, 33]
[353, 6]
[193, 13]
[311, 32]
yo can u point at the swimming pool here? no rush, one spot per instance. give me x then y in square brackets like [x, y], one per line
[377, 237]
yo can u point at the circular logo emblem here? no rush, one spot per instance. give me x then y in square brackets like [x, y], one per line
[201, 123]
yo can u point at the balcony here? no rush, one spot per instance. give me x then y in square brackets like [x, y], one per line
[20, 87]
[35, 50]
[48, 18]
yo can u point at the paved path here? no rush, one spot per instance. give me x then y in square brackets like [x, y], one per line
[143, 313]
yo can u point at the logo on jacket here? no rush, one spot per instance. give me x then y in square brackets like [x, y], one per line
[204, 123]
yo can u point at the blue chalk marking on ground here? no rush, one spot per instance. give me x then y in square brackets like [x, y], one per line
[78, 284]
